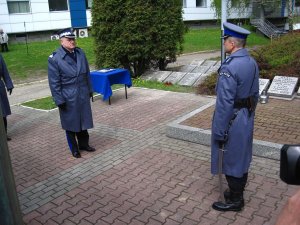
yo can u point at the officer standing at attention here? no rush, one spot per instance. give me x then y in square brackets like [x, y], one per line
[5, 81]
[71, 89]
[233, 121]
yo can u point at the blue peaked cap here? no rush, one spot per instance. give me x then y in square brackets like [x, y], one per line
[68, 33]
[235, 31]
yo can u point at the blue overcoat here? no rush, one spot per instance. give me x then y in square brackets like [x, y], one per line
[5, 80]
[238, 79]
[70, 83]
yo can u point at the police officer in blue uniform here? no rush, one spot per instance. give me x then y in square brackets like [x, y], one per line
[5, 80]
[233, 121]
[71, 89]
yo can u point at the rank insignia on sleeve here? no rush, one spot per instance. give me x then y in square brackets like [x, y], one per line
[224, 74]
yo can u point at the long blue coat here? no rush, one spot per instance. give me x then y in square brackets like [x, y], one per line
[238, 78]
[4, 81]
[70, 83]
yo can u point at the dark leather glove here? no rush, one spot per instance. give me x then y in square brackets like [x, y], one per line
[62, 106]
[9, 91]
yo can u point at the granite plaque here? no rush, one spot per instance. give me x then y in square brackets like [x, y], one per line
[186, 68]
[174, 77]
[282, 86]
[209, 63]
[298, 93]
[263, 84]
[200, 69]
[157, 75]
[189, 79]
[196, 62]
[201, 79]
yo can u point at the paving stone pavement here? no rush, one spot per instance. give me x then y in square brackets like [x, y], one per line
[137, 175]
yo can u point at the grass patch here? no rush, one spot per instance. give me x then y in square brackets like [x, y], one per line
[46, 103]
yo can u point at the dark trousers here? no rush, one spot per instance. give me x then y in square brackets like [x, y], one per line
[237, 184]
[77, 140]
[4, 47]
[5, 123]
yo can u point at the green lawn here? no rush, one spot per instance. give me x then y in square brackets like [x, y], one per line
[29, 62]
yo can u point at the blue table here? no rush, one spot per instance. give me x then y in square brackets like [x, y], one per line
[103, 79]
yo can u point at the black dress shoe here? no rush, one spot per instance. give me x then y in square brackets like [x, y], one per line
[76, 154]
[8, 138]
[229, 206]
[88, 149]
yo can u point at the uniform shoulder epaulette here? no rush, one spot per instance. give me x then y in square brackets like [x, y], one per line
[228, 60]
[53, 54]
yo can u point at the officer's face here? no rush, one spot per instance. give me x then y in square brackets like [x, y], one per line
[229, 45]
[68, 43]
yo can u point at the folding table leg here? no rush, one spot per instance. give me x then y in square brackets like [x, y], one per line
[109, 101]
[125, 91]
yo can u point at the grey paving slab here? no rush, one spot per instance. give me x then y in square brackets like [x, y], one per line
[189, 79]
[175, 77]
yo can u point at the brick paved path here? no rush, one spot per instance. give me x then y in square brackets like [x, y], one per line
[137, 175]
[278, 121]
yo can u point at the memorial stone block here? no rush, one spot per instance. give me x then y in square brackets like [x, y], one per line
[157, 75]
[174, 77]
[263, 84]
[298, 93]
[187, 68]
[189, 79]
[201, 79]
[209, 63]
[282, 86]
[200, 69]
[196, 62]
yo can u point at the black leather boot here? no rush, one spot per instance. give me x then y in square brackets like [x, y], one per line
[233, 202]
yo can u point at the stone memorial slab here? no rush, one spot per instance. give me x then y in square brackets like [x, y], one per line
[209, 63]
[282, 86]
[201, 79]
[174, 77]
[263, 84]
[212, 69]
[200, 69]
[196, 62]
[218, 64]
[298, 93]
[189, 79]
[186, 68]
[157, 75]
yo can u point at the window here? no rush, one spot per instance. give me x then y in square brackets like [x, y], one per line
[18, 6]
[200, 3]
[297, 3]
[184, 3]
[58, 5]
[88, 3]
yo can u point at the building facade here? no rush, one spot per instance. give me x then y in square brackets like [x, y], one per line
[19, 17]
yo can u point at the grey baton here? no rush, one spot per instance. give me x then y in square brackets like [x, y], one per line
[221, 154]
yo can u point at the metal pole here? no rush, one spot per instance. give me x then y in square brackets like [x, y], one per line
[10, 213]
[26, 37]
[223, 20]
